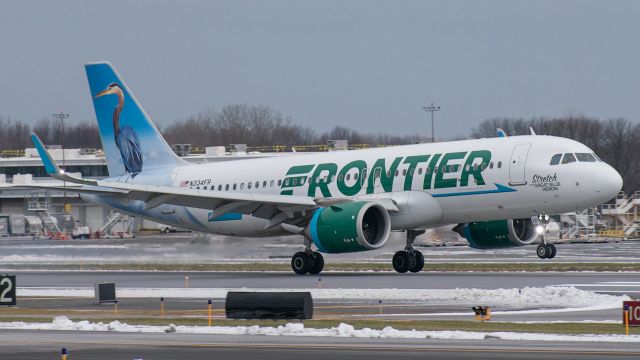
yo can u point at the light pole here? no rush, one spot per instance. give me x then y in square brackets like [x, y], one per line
[62, 116]
[432, 109]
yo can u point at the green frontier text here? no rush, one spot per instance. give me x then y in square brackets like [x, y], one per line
[442, 171]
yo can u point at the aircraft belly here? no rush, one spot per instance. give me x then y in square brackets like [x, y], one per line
[528, 202]
[494, 206]
[190, 218]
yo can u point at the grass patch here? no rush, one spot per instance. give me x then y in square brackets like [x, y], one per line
[541, 266]
[427, 325]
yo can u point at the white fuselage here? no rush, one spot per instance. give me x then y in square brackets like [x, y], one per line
[470, 180]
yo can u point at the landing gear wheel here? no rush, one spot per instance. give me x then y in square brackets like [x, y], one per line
[419, 262]
[317, 263]
[402, 261]
[542, 251]
[301, 262]
[552, 251]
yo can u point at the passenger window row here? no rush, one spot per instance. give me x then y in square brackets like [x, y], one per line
[294, 181]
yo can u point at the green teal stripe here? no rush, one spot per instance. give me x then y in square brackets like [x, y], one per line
[499, 189]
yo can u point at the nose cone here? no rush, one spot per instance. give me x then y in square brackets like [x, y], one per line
[610, 182]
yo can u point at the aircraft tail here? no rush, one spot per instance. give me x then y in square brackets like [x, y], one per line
[130, 140]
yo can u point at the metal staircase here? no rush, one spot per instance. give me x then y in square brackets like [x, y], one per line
[623, 215]
[114, 218]
[50, 224]
[40, 203]
[631, 230]
[579, 224]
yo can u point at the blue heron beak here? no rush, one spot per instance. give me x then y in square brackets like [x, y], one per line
[106, 91]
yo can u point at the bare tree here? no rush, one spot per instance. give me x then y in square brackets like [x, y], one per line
[14, 135]
[254, 125]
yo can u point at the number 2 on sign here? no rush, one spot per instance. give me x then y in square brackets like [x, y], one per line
[9, 287]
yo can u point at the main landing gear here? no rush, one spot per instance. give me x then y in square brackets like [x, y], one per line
[544, 250]
[409, 259]
[308, 261]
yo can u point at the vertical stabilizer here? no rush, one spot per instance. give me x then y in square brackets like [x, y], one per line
[130, 140]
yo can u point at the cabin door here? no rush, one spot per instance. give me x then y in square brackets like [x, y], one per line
[517, 165]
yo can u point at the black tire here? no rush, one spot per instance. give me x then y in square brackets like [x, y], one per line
[300, 263]
[402, 261]
[542, 251]
[317, 263]
[552, 252]
[418, 265]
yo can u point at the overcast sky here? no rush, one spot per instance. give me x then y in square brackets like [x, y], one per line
[369, 65]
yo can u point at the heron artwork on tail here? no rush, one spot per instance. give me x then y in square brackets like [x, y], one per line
[125, 137]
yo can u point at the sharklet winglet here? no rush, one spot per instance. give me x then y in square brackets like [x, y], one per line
[52, 167]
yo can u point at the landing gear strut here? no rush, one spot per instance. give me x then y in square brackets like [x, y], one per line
[409, 259]
[545, 250]
[307, 261]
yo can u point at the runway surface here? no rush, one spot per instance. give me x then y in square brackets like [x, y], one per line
[83, 345]
[193, 248]
[606, 283]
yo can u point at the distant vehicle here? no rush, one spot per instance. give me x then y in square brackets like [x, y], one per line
[166, 228]
[81, 232]
[496, 189]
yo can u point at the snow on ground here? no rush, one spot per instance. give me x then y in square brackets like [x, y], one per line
[298, 329]
[548, 297]
[561, 322]
[615, 304]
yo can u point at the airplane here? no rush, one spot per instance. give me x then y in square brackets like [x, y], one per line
[500, 191]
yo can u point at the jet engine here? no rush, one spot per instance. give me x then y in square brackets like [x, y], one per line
[498, 233]
[349, 227]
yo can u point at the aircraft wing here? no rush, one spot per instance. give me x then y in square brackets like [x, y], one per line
[151, 195]
[276, 208]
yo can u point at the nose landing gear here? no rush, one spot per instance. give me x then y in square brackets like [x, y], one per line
[545, 250]
[409, 259]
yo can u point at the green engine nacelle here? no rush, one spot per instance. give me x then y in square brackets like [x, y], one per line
[498, 233]
[349, 227]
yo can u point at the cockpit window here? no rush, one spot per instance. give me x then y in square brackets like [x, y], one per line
[585, 157]
[555, 160]
[597, 157]
[568, 158]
